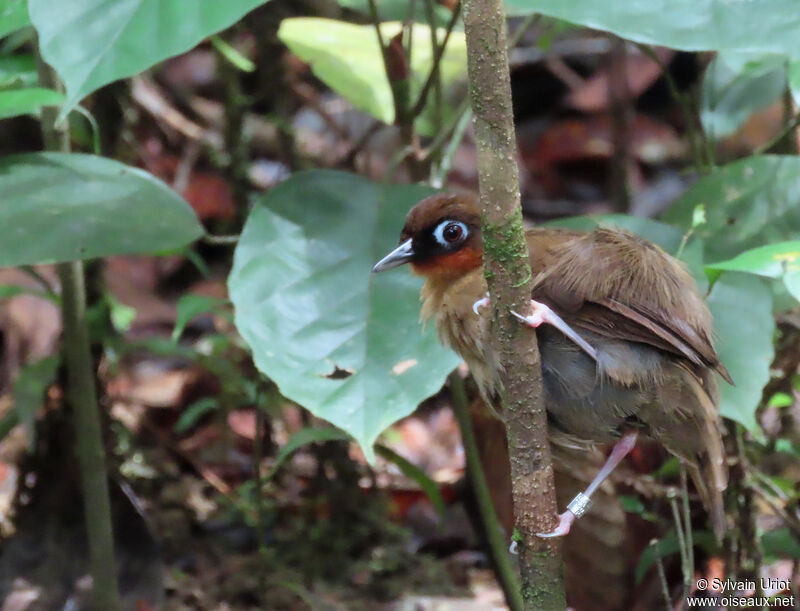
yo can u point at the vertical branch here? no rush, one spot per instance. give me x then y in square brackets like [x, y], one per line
[234, 136]
[509, 278]
[82, 395]
[620, 109]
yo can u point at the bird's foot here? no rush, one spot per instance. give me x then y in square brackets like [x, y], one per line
[576, 508]
[543, 314]
[483, 301]
[565, 521]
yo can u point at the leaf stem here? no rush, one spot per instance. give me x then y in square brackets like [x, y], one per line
[498, 548]
[434, 76]
[82, 394]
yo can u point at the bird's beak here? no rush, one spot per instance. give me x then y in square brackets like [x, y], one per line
[402, 254]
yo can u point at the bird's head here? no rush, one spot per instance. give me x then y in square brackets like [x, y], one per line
[441, 238]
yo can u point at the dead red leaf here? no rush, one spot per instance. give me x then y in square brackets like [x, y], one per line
[640, 71]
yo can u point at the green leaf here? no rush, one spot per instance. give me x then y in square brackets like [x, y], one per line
[343, 342]
[748, 203]
[794, 80]
[13, 16]
[7, 291]
[91, 43]
[347, 58]
[772, 261]
[397, 10]
[780, 399]
[670, 545]
[412, 471]
[122, 316]
[192, 414]
[791, 280]
[759, 26]
[302, 438]
[742, 309]
[785, 445]
[63, 207]
[29, 390]
[190, 306]
[18, 71]
[735, 86]
[780, 543]
[17, 102]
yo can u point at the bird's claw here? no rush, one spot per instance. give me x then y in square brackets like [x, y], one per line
[565, 521]
[483, 301]
[534, 320]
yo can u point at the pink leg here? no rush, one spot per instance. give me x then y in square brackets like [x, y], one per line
[543, 314]
[580, 504]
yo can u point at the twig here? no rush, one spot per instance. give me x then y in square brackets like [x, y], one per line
[791, 521]
[450, 139]
[348, 159]
[494, 534]
[147, 94]
[258, 477]
[686, 570]
[687, 521]
[399, 105]
[508, 275]
[31, 271]
[448, 142]
[526, 24]
[82, 393]
[685, 105]
[209, 476]
[438, 51]
[662, 576]
[786, 131]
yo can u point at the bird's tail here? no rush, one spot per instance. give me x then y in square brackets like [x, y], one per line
[710, 479]
[691, 430]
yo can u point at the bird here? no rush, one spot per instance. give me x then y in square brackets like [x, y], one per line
[624, 334]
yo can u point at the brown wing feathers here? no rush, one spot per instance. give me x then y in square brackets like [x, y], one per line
[662, 307]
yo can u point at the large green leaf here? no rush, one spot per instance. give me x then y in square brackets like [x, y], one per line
[748, 203]
[765, 26]
[742, 309]
[15, 102]
[348, 59]
[63, 207]
[343, 342]
[772, 261]
[91, 43]
[397, 10]
[13, 16]
[736, 85]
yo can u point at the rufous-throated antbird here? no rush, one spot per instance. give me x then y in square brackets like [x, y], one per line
[626, 349]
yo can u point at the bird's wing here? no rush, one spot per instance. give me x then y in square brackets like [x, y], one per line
[615, 284]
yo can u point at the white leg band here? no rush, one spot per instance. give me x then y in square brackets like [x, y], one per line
[580, 504]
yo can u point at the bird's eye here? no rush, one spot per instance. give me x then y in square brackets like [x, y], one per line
[450, 232]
